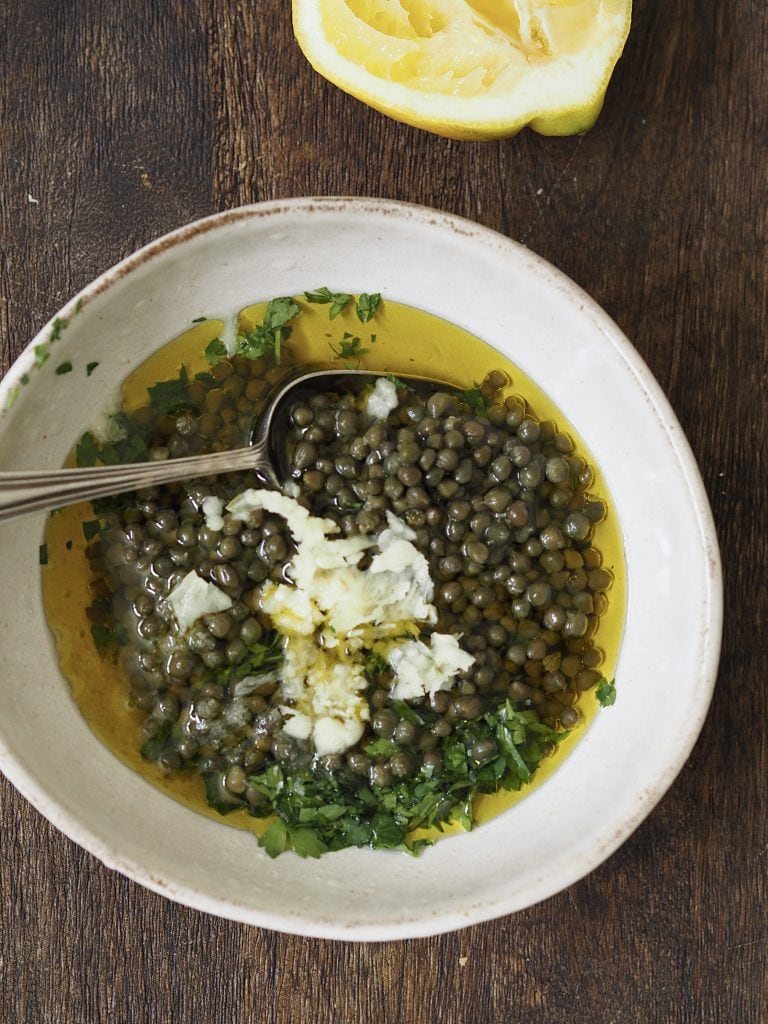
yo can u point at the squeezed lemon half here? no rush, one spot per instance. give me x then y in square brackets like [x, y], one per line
[470, 69]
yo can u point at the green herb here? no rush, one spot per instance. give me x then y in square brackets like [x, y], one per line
[42, 354]
[42, 555]
[103, 637]
[215, 351]
[169, 396]
[25, 378]
[258, 658]
[79, 304]
[68, 545]
[381, 748]
[397, 381]
[63, 368]
[57, 328]
[87, 450]
[199, 319]
[606, 692]
[269, 335]
[366, 306]
[473, 397]
[350, 347]
[91, 528]
[153, 748]
[407, 711]
[318, 811]
[375, 664]
[338, 300]
[215, 791]
[90, 367]
[275, 839]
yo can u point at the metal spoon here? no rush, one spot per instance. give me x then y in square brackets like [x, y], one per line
[29, 491]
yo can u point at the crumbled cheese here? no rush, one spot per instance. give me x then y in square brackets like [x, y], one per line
[212, 509]
[193, 597]
[382, 399]
[331, 613]
[421, 670]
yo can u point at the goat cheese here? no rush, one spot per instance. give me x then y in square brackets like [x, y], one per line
[193, 597]
[331, 614]
[382, 399]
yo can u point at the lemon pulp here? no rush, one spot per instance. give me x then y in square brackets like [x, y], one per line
[469, 69]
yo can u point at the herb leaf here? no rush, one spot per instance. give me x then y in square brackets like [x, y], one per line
[91, 528]
[350, 347]
[63, 368]
[366, 306]
[215, 351]
[474, 398]
[606, 692]
[275, 839]
[168, 396]
[338, 300]
[269, 335]
[318, 811]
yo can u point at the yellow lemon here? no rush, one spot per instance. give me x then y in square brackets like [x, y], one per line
[470, 69]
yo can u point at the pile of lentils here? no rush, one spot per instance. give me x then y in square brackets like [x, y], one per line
[500, 506]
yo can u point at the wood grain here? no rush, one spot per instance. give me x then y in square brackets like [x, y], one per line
[121, 121]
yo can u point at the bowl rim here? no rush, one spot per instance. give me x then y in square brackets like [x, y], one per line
[70, 822]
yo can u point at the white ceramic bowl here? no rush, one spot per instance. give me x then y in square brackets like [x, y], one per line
[498, 290]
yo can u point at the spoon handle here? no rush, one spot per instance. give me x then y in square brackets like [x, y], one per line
[22, 492]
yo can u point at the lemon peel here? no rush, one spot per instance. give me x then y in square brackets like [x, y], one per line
[470, 69]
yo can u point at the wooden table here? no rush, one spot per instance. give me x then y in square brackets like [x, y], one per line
[123, 120]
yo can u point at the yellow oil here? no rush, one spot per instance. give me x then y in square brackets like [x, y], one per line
[399, 339]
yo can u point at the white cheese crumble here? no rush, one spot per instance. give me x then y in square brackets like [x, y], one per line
[382, 400]
[421, 670]
[193, 597]
[332, 613]
[212, 509]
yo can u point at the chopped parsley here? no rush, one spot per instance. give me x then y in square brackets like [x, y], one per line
[169, 396]
[90, 367]
[257, 658]
[42, 355]
[87, 450]
[338, 301]
[91, 528]
[215, 351]
[350, 347]
[397, 381]
[57, 327]
[474, 398]
[317, 811]
[606, 692]
[105, 638]
[42, 556]
[269, 335]
[63, 368]
[367, 306]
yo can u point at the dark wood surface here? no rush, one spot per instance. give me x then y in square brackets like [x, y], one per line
[120, 121]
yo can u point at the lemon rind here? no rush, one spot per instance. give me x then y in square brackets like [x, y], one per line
[573, 95]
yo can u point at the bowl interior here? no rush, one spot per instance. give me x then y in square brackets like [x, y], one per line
[555, 333]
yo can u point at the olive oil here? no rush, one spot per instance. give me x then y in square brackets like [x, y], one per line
[401, 340]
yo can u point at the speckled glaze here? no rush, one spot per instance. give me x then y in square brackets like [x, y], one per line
[500, 291]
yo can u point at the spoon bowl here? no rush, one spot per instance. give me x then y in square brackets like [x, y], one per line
[29, 491]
